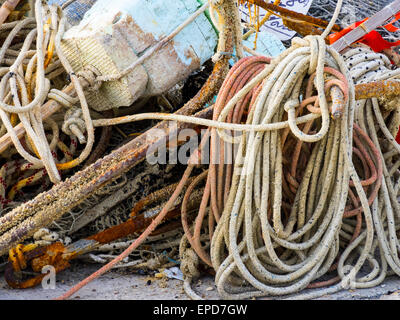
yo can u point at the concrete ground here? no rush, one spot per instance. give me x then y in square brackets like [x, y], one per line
[117, 285]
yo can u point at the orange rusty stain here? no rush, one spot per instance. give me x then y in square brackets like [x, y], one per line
[41, 257]
[53, 256]
[134, 224]
[58, 256]
[388, 88]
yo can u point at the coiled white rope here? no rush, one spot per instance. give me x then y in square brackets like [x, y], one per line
[244, 231]
[29, 112]
[21, 86]
[378, 242]
[366, 65]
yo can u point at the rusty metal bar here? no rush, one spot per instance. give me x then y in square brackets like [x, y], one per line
[292, 14]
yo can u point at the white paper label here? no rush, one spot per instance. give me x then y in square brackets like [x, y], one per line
[274, 24]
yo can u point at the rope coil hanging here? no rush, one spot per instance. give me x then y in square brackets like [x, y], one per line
[245, 231]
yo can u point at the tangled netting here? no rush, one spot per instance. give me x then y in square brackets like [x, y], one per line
[352, 11]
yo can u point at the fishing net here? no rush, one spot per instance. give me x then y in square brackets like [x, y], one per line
[352, 11]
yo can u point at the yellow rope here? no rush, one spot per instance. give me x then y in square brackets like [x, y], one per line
[262, 22]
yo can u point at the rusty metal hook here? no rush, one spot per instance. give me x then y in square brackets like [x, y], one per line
[14, 278]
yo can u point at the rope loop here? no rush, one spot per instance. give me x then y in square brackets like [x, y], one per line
[291, 105]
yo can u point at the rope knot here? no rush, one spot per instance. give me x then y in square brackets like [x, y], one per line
[300, 42]
[44, 237]
[91, 75]
[221, 54]
[189, 259]
[190, 263]
[74, 125]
